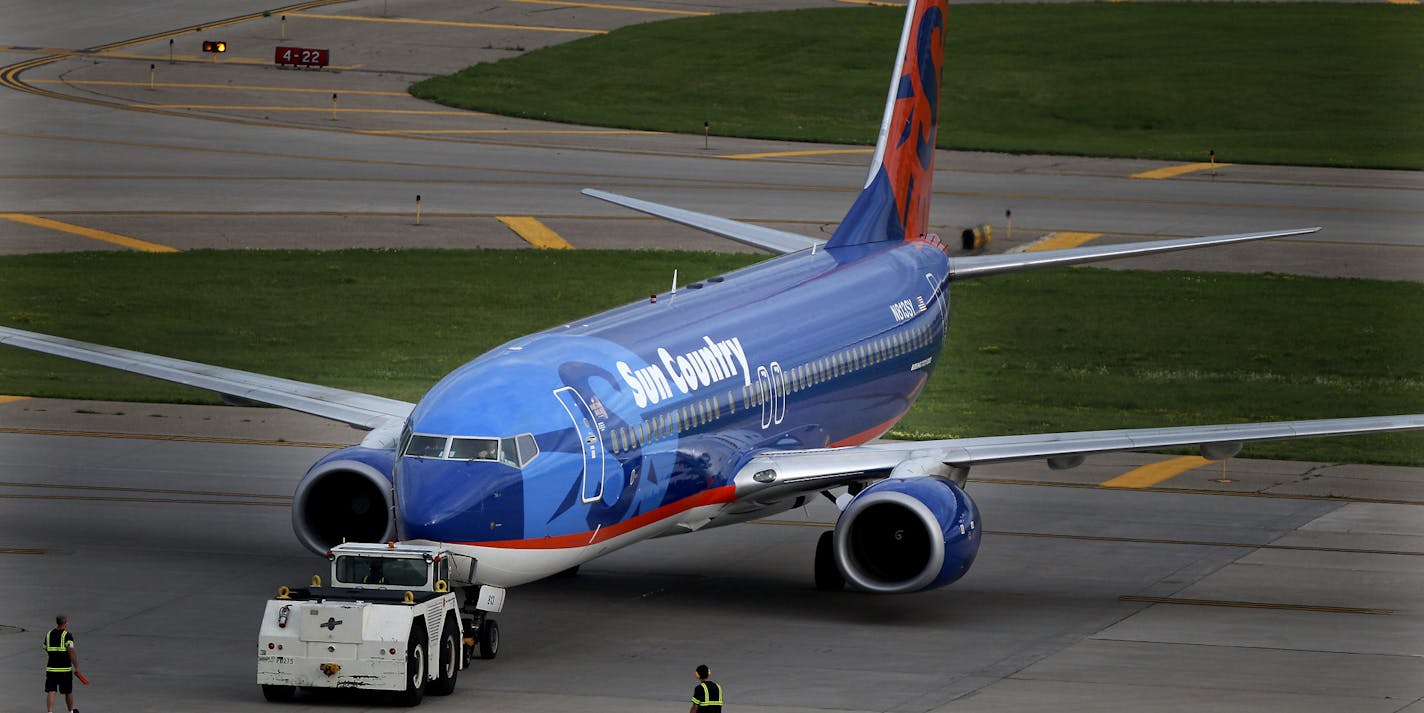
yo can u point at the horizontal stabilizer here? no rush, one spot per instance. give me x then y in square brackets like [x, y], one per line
[776, 241]
[350, 407]
[961, 268]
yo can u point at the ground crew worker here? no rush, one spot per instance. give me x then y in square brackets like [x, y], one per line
[707, 696]
[62, 665]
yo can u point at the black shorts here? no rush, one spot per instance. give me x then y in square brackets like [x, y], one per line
[62, 682]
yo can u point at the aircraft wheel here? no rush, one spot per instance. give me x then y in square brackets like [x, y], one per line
[828, 576]
[414, 668]
[450, 655]
[278, 694]
[489, 639]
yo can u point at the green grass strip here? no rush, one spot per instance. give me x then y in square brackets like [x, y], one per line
[1061, 350]
[1310, 84]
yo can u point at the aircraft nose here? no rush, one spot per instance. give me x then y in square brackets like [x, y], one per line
[458, 501]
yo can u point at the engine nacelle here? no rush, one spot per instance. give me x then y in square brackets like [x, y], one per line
[907, 534]
[345, 497]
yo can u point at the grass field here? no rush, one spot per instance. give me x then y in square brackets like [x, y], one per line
[1057, 350]
[1309, 83]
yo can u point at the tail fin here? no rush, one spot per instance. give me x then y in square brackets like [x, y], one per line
[895, 203]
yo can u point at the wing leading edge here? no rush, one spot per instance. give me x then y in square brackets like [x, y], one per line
[794, 472]
[350, 407]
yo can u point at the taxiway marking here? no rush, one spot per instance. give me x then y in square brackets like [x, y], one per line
[328, 110]
[225, 87]
[1154, 473]
[782, 154]
[1142, 540]
[593, 132]
[181, 439]
[12, 399]
[600, 6]
[20, 551]
[80, 230]
[534, 232]
[1174, 171]
[1255, 605]
[450, 23]
[1060, 240]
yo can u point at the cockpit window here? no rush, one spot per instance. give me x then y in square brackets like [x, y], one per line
[515, 452]
[474, 449]
[422, 446]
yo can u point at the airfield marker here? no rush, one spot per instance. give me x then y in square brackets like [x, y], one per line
[170, 50]
[333, 106]
[417, 209]
[1223, 478]
[1009, 218]
[1211, 153]
[706, 133]
[284, 27]
[151, 70]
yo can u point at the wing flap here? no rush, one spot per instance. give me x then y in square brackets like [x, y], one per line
[777, 241]
[961, 268]
[351, 407]
[820, 468]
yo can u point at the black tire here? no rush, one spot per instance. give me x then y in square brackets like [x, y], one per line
[828, 576]
[414, 668]
[451, 653]
[278, 694]
[489, 639]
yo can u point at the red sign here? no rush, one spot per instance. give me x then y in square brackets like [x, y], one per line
[303, 57]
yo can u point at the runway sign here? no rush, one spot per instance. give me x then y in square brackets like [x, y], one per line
[303, 57]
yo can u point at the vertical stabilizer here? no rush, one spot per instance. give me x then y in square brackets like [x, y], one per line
[895, 204]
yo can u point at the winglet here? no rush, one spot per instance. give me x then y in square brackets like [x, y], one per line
[895, 203]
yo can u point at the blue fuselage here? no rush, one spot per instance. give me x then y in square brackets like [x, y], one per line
[609, 425]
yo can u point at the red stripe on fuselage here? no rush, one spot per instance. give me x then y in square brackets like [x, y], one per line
[715, 496]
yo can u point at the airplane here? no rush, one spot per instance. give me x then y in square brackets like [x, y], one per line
[729, 399]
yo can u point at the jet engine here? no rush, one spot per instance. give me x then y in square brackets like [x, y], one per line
[345, 497]
[907, 534]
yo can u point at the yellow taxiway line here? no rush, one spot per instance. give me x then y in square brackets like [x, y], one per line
[450, 23]
[1158, 174]
[589, 132]
[12, 399]
[534, 232]
[783, 154]
[1256, 605]
[1154, 473]
[1057, 241]
[80, 230]
[229, 87]
[600, 6]
[243, 107]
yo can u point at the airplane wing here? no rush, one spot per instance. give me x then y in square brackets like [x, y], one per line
[777, 241]
[775, 475]
[981, 265]
[351, 407]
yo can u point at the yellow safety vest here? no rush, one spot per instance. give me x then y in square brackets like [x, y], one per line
[61, 646]
[707, 699]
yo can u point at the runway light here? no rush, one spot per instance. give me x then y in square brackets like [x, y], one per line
[214, 46]
[271, 645]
